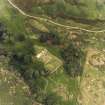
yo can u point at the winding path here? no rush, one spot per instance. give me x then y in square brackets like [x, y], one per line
[50, 21]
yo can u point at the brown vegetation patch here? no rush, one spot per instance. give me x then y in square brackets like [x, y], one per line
[96, 58]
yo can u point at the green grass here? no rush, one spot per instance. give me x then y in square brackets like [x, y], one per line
[13, 20]
[8, 81]
[83, 9]
[69, 84]
[13, 90]
[55, 50]
[51, 62]
[16, 24]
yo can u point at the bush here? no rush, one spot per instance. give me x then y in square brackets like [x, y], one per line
[73, 60]
[21, 58]
[21, 52]
[3, 32]
[52, 38]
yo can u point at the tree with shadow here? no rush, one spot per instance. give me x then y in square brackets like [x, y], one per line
[21, 56]
[74, 58]
[50, 38]
[3, 31]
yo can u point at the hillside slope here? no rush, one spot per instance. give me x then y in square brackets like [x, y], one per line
[87, 9]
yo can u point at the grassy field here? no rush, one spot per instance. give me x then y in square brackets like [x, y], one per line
[13, 91]
[64, 86]
[89, 89]
[13, 20]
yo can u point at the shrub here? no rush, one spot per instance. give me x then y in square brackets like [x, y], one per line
[52, 38]
[73, 60]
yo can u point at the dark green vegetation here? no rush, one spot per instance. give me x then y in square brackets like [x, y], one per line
[72, 55]
[51, 38]
[57, 65]
[53, 99]
[66, 8]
